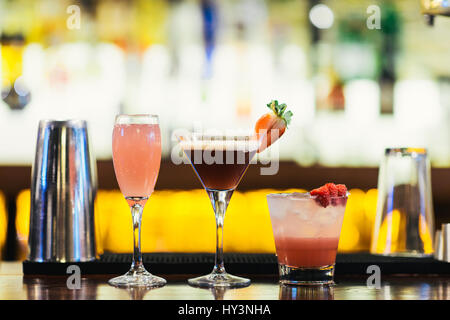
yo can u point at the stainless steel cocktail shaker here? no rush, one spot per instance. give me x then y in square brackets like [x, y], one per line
[63, 189]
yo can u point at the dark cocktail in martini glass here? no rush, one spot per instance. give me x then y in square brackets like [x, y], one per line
[219, 162]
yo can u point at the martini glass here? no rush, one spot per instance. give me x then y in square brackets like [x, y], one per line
[137, 158]
[219, 162]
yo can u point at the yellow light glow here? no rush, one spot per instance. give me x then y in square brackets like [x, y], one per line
[417, 150]
[370, 212]
[183, 221]
[11, 62]
[23, 215]
[391, 237]
[3, 221]
[425, 235]
[350, 239]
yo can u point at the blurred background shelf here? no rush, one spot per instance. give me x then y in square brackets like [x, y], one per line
[354, 90]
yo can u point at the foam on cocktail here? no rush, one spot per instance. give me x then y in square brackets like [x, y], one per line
[220, 145]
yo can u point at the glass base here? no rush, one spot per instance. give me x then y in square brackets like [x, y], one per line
[306, 276]
[322, 292]
[407, 254]
[139, 278]
[219, 280]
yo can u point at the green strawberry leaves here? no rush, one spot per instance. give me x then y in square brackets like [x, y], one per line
[280, 111]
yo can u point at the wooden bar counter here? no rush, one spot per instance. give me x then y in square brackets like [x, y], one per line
[15, 286]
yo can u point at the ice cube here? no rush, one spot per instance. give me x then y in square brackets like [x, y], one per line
[278, 205]
[325, 219]
[303, 215]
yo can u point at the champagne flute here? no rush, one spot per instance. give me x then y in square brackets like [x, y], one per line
[137, 158]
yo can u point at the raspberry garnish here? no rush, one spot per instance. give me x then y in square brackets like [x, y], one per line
[322, 196]
[342, 190]
[332, 189]
[327, 191]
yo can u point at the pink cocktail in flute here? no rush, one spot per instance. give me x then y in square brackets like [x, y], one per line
[137, 158]
[136, 149]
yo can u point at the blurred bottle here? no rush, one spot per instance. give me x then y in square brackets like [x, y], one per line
[387, 55]
[16, 24]
[210, 24]
[14, 90]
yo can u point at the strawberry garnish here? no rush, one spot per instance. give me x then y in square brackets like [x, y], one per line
[324, 194]
[271, 126]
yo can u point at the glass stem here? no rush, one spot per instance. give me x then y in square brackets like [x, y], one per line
[136, 213]
[220, 216]
[219, 200]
